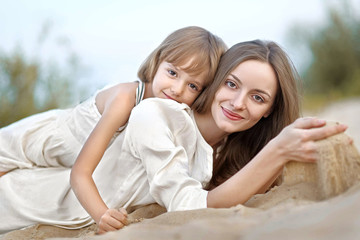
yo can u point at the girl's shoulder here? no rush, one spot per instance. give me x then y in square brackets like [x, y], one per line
[121, 92]
[126, 88]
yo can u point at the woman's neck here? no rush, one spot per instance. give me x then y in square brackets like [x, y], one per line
[208, 128]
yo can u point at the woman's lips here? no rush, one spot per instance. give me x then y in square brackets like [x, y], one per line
[231, 115]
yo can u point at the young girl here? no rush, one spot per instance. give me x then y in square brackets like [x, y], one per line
[179, 69]
[167, 151]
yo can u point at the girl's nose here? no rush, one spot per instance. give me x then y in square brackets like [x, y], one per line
[177, 87]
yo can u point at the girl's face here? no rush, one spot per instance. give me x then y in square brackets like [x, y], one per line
[246, 96]
[172, 82]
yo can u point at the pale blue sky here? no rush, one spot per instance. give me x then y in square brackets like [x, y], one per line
[112, 38]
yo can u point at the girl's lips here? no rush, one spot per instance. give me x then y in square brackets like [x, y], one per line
[167, 96]
[231, 115]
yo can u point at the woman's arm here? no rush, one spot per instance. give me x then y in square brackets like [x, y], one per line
[295, 143]
[117, 108]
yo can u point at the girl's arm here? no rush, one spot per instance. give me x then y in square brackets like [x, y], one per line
[296, 142]
[116, 111]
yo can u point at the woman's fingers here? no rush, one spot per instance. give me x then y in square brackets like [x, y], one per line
[309, 122]
[313, 129]
[324, 132]
[298, 141]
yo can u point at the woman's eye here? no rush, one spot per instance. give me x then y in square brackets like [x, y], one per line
[172, 73]
[258, 98]
[230, 84]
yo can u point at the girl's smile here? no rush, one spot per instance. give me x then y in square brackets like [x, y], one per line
[167, 96]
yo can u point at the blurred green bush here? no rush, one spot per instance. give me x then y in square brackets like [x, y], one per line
[334, 70]
[29, 86]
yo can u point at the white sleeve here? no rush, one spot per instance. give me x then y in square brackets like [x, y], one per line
[161, 137]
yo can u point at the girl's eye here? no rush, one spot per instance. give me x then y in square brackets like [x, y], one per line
[172, 73]
[258, 98]
[193, 86]
[230, 84]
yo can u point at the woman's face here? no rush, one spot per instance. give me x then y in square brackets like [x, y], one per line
[246, 96]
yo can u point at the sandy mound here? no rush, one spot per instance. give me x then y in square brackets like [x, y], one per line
[337, 169]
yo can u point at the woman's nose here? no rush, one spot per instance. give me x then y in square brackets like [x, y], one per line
[239, 101]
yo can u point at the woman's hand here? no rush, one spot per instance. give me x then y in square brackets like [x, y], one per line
[112, 220]
[297, 141]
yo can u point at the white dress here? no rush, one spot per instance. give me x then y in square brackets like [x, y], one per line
[163, 159]
[50, 139]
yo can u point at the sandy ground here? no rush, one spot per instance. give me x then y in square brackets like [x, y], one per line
[315, 201]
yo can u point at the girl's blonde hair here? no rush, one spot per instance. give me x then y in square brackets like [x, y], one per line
[194, 44]
[239, 148]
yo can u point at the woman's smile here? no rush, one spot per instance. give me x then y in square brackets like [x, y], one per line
[231, 115]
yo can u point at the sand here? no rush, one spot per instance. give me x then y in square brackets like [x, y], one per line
[313, 201]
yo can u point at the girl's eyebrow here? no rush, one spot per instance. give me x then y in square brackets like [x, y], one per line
[257, 90]
[172, 65]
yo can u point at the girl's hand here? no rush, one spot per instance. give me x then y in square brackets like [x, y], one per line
[297, 141]
[112, 220]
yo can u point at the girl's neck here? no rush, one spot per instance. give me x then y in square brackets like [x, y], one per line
[148, 90]
[208, 128]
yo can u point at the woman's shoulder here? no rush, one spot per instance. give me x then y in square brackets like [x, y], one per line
[157, 110]
[160, 105]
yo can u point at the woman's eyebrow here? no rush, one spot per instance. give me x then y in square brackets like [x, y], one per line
[236, 78]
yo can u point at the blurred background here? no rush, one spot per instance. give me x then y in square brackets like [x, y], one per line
[54, 54]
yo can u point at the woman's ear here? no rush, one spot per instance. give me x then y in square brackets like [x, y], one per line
[268, 113]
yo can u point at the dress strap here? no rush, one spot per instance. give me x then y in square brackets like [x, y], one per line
[140, 90]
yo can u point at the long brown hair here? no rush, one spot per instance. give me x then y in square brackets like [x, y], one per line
[240, 147]
[194, 44]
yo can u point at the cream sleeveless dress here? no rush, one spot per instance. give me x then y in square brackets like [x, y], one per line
[51, 139]
[160, 157]
[40, 150]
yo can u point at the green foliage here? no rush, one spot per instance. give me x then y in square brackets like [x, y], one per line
[334, 70]
[32, 86]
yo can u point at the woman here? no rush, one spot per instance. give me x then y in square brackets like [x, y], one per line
[167, 150]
